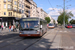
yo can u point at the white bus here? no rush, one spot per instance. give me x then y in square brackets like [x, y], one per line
[32, 27]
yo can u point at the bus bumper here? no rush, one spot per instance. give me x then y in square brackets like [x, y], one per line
[29, 35]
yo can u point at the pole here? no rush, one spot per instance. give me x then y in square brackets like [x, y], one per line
[64, 16]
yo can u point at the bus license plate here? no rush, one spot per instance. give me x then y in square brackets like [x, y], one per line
[29, 35]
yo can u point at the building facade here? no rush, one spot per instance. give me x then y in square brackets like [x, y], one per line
[27, 7]
[21, 8]
[33, 12]
[41, 13]
[12, 10]
[9, 12]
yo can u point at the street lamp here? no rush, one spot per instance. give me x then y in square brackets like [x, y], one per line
[64, 12]
[64, 15]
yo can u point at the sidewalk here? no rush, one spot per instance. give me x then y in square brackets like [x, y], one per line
[46, 42]
[7, 30]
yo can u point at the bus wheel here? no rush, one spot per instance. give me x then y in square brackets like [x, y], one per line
[46, 30]
[42, 32]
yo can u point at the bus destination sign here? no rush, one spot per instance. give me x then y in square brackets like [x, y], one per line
[29, 19]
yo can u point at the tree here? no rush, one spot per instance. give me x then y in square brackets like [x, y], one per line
[47, 19]
[67, 16]
[54, 21]
[72, 21]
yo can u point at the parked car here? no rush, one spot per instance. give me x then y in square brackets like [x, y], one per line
[69, 26]
[50, 25]
[66, 25]
[73, 25]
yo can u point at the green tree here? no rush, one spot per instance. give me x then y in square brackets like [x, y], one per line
[54, 21]
[67, 16]
[47, 19]
[72, 21]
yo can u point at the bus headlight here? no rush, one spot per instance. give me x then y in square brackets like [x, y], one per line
[38, 31]
[20, 32]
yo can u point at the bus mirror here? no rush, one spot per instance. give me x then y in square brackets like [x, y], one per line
[41, 27]
[38, 23]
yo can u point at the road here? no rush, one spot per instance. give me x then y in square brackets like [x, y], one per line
[54, 39]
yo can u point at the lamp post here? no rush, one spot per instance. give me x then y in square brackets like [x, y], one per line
[64, 12]
[64, 15]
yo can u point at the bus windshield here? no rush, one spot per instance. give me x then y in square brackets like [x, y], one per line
[29, 24]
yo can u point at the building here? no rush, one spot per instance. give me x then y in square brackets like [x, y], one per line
[27, 7]
[33, 12]
[9, 12]
[12, 10]
[52, 20]
[41, 13]
[21, 7]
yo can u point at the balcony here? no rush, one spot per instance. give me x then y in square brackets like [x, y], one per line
[15, 10]
[19, 12]
[27, 11]
[4, 1]
[27, 7]
[10, 9]
[28, 1]
[9, 1]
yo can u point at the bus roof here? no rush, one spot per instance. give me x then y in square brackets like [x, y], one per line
[30, 17]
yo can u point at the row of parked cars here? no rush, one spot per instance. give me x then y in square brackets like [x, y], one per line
[70, 26]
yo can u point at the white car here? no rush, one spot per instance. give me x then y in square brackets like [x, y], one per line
[51, 25]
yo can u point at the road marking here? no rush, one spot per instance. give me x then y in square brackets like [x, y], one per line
[65, 31]
[61, 31]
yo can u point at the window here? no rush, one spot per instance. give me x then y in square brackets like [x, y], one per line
[15, 8]
[4, 13]
[0, 6]
[22, 6]
[4, 0]
[9, 0]
[20, 0]
[9, 6]
[10, 13]
[0, 13]
[19, 5]
[22, 11]
[15, 2]
[4, 6]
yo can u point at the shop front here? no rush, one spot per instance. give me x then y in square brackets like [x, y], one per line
[6, 21]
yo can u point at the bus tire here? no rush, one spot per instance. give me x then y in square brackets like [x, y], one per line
[46, 30]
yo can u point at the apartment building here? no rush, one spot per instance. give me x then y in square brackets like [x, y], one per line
[33, 12]
[9, 12]
[21, 8]
[41, 13]
[27, 8]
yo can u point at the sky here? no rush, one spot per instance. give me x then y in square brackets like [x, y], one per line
[53, 7]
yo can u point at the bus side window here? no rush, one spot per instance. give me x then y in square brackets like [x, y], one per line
[40, 22]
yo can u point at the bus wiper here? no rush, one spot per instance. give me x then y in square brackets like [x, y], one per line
[27, 29]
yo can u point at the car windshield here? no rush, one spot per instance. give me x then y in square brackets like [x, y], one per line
[69, 25]
[50, 24]
[73, 25]
[29, 24]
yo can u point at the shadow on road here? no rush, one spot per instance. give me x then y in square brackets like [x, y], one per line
[2, 37]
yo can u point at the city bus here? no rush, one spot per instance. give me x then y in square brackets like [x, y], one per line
[32, 27]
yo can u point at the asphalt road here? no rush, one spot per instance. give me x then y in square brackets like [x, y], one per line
[54, 39]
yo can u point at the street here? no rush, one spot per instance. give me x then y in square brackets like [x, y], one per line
[54, 39]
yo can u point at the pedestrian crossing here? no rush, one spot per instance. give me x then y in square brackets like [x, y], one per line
[62, 31]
